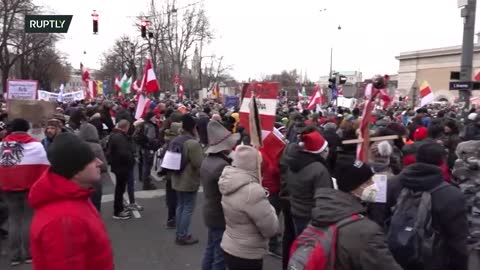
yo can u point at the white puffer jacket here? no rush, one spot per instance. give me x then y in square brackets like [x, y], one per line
[250, 218]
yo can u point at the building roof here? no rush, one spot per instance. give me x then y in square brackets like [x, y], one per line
[453, 50]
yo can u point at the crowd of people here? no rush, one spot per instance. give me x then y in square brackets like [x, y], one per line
[327, 199]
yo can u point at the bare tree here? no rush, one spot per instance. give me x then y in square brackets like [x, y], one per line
[126, 56]
[175, 32]
[15, 44]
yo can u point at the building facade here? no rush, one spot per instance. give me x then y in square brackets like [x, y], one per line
[433, 66]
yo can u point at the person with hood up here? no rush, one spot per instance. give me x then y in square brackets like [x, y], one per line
[307, 172]
[67, 231]
[152, 135]
[250, 218]
[448, 207]
[221, 143]
[89, 134]
[360, 244]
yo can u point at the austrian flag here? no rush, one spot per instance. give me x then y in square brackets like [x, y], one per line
[22, 161]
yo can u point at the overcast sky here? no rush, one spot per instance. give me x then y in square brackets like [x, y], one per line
[261, 37]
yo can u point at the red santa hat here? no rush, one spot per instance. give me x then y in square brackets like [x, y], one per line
[313, 142]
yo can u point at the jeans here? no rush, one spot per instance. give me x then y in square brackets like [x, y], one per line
[300, 224]
[185, 207]
[213, 259]
[171, 198]
[131, 187]
[120, 186]
[20, 218]
[147, 163]
[236, 263]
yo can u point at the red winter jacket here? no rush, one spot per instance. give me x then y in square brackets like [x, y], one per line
[270, 174]
[67, 232]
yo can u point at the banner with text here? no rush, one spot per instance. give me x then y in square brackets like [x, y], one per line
[67, 97]
[22, 89]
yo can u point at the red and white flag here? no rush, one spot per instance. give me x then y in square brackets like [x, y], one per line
[426, 94]
[142, 106]
[135, 87]
[117, 86]
[22, 161]
[266, 94]
[180, 92]
[362, 148]
[91, 89]
[273, 146]
[149, 81]
[317, 98]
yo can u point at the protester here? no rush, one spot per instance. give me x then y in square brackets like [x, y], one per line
[51, 131]
[23, 161]
[250, 219]
[67, 231]
[360, 243]
[186, 181]
[447, 209]
[89, 134]
[307, 172]
[220, 144]
[150, 143]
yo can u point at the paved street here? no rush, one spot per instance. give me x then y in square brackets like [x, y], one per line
[144, 243]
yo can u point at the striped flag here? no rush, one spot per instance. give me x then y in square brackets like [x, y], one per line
[118, 87]
[362, 148]
[317, 98]
[149, 81]
[426, 94]
[22, 161]
[142, 106]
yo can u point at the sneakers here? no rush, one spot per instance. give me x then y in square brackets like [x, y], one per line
[134, 206]
[28, 260]
[15, 262]
[122, 215]
[188, 241]
[171, 224]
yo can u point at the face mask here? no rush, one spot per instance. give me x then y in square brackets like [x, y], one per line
[369, 193]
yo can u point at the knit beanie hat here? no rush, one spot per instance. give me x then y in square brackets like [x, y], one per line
[53, 123]
[68, 155]
[246, 158]
[19, 125]
[431, 153]
[350, 177]
[380, 152]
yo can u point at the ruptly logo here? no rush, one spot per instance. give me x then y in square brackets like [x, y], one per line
[47, 23]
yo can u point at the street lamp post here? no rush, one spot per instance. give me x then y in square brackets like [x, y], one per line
[468, 14]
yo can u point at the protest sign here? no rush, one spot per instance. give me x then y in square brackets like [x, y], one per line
[22, 89]
[36, 112]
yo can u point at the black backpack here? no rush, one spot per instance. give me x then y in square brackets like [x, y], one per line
[139, 137]
[411, 237]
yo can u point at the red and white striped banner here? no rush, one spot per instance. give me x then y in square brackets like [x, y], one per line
[266, 95]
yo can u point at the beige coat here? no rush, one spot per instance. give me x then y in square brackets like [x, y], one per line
[250, 218]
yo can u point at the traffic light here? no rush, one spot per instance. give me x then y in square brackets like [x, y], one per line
[95, 22]
[331, 83]
[342, 80]
[143, 27]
